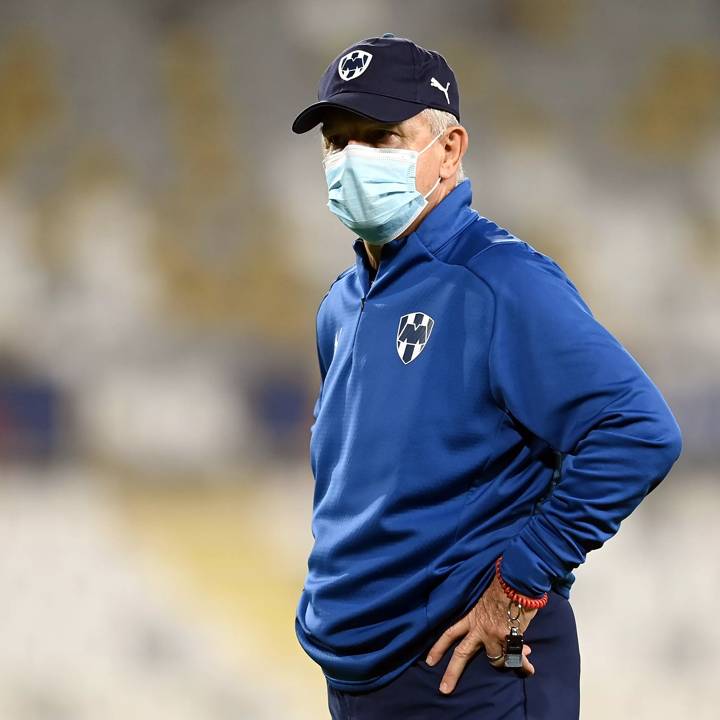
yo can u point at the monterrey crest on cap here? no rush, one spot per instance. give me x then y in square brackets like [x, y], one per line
[388, 79]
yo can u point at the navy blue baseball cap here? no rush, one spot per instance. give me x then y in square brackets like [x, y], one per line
[388, 79]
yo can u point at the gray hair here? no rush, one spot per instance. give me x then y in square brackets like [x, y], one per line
[437, 120]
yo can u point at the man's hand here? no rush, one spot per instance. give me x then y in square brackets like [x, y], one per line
[486, 625]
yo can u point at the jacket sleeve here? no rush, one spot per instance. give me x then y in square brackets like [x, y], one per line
[323, 343]
[323, 371]
[563, 376]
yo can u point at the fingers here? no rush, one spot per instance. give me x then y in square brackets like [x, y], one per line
[527, 666]
[455, 631]
[493, 648]
[460, 658]
[465, 651]
[470, 644]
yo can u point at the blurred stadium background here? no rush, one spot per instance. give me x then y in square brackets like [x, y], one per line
[164, 246]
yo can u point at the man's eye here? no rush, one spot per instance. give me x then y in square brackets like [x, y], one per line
[379, 136]
[337, 142]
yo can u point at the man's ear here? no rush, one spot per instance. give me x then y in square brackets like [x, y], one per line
[455, 146]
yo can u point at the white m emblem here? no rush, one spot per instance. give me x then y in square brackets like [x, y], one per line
[412, 335]
[354, 64]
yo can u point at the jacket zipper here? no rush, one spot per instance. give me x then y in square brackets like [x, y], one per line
[362, 306]
[357, 323]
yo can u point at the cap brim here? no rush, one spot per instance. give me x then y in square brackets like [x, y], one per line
[367, 105]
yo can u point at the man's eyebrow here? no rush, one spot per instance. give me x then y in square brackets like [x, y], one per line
[330, 129]
[386, 126]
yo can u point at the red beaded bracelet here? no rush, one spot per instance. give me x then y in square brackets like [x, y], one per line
[526, 602]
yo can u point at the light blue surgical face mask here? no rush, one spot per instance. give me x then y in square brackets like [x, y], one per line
[372, 190]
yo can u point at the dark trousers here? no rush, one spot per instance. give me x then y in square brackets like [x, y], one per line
[483, 692]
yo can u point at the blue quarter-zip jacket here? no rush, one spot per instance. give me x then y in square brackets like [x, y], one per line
[470, 406]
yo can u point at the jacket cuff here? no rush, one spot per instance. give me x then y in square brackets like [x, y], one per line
[524, 570]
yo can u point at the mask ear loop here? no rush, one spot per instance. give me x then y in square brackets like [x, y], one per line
[420, 152]
[437, 182]
[432, 189]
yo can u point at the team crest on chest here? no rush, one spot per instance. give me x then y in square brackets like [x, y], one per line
[412, 335]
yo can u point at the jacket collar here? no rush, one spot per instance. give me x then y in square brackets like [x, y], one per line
[446, 220]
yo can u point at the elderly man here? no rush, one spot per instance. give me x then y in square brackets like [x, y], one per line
[477, 430]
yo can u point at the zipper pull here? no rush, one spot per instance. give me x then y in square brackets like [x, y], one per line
[362, 303]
